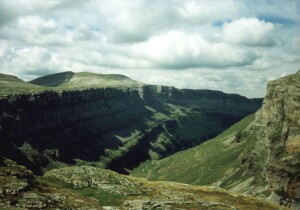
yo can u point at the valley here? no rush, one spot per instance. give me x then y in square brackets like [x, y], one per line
[258, 156]
[65, 136]
[107, 120]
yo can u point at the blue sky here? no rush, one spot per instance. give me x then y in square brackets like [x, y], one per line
[232, 46]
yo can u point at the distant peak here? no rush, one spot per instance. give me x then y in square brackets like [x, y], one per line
[53, 80]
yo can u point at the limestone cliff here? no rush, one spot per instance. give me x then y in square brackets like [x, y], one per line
[107, 120]
[280, 114]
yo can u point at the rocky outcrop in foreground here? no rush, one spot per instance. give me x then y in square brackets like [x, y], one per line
[20, 189]
[88, 187]
[137, 193]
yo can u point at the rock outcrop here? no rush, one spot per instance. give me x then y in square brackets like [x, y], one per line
[137, 193]
[280, 114]
[20, 189]
[88, 187]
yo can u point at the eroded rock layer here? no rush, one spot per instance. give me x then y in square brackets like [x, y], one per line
[107, 120]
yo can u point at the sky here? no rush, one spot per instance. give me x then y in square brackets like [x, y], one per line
[234, 46]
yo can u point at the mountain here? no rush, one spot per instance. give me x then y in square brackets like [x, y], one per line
[84, 80]
[107, 120]
[260, 155]
[11, 85]
[87, 187]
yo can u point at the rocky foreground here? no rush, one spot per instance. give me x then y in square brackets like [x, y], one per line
[88, 187]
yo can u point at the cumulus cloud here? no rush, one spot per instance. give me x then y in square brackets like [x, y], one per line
[249, 31]
[178, 50]
[202, 12]
[228, 45]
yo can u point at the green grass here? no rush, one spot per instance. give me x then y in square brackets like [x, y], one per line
[168, 126]
[202, 165]
[103, 197]
[11, 85]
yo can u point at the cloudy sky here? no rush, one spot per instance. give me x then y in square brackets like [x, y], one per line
[230, 45]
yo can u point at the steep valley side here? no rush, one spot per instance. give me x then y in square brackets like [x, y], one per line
[260, 155]
[105, 125]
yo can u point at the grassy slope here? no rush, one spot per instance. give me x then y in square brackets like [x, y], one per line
[215, 161]
[184, 127]
[70, 80]
[11, 85]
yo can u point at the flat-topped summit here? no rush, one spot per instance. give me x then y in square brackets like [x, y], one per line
[66, 81]
[83, 79]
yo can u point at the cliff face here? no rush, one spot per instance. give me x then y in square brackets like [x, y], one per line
[280, 115]
[67, 125]
[259, 156]
[110, 126]
[207, 100]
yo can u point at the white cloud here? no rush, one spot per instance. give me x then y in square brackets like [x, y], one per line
[179, 50]
[36, 23]
[200, 11]
[227, 45]
[249, 31]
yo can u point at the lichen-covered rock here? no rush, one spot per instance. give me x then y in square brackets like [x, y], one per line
[87, 176]
[278, 125]
[19, 189]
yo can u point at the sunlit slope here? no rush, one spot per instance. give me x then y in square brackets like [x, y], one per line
[216, 161]
[71, 80]
[258, 156]
[10, 85]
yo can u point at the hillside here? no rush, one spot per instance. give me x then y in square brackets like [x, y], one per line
[88, 187]
[259, 155]
[11, 85]
[108, 120]
[84, 80]
[65, 81]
